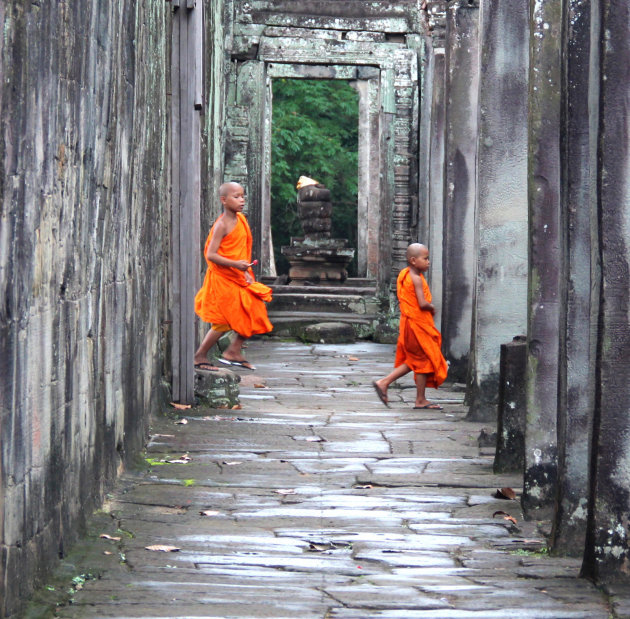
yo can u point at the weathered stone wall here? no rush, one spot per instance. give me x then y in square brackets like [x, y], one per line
[83, 195]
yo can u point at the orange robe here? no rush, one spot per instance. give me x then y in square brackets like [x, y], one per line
[226, 300]
[419, 342]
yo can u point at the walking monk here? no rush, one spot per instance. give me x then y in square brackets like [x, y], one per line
[419, 342]
[230, 298]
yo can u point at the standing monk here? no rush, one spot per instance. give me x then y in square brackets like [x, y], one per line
[419, 342]
[230, 298]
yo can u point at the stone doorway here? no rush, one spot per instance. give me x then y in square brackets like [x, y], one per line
[386, 77]
[367, 88]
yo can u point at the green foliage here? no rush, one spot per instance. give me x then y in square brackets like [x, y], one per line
[315, 134]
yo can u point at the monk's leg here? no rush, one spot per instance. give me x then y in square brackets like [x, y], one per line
[212, 337]
[382, 384]
[421, 399]
[421, 385]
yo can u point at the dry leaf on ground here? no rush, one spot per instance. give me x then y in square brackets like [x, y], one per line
[505, 493]
[260, 386]
[353, 358]
[181, 407]
[110, 537]
[162, 548]
[506, 516]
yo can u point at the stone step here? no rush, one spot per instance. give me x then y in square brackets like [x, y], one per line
[366, 291]
[294, 323]
[361, 285]
[352, 304]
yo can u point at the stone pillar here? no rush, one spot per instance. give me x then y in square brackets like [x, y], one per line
[509, 454]
[577, 386]
[545, 259]
[500, 294]
[462, 79]
[435, 221]
[607, 556]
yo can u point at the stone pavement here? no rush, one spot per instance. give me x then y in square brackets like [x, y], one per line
[320, 502]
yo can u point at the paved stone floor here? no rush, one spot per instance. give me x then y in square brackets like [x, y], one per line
[320, 502]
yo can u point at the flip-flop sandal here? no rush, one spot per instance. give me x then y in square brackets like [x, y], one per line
[431, 407]
[206, 367]
[382, 396]
[239, 364]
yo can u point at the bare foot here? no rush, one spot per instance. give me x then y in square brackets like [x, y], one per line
[380, 392]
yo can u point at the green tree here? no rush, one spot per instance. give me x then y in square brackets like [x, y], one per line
[315, 134]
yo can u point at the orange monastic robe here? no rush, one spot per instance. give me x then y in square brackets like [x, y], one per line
[226, 300]
[419, 342]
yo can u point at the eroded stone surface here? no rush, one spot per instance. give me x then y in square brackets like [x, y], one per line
[321, 507]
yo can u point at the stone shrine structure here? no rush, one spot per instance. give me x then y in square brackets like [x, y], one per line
[316, 257]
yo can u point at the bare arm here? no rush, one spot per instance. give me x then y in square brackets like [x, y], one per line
[422, 301]
[215, 242]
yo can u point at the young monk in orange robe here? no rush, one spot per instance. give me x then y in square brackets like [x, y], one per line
[419, 342]
[230, 298]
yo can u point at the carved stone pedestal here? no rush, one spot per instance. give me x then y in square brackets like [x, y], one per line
[323, 261]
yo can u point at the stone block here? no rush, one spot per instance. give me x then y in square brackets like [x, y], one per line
[330, 333]
[217, 389]
[510, 450]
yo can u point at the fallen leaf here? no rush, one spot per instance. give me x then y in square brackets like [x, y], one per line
[185, 459]
[182, 422]
[181, 407]
[162, 548]
[353, 358]
[506, 516]
[260, 386]
[107, 552]
[237, 407]
[319, 547]
[505, 493]
[110, 537]
[209, 512]
[285, 491]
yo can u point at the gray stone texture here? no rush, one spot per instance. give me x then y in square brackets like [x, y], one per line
[500, 307]
[462, 76]
[511, 420]
[320, 502]
[545, 258]
[607, 555]
[581, 277]
[83, 190]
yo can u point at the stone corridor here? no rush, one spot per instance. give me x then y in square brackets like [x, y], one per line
[319, 502]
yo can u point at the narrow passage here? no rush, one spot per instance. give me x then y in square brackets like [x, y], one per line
[314, 500]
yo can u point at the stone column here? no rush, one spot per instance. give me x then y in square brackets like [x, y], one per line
[545, 259]
[435, 218]
[462, 79]
[499, 301]
[578, 329]
[607, 556]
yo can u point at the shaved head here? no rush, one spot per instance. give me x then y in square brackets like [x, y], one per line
[228, 187]
[416, 249]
